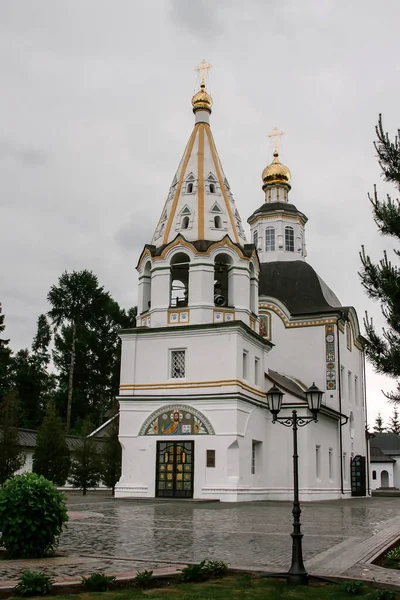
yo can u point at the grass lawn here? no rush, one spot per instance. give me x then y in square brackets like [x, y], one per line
[232, 587]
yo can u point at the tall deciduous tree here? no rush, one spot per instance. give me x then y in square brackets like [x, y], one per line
[85, 468]
[5, 359]
[379, 426]
[394, 422]
[96, 362]
[382, 280]
[111, 457]
[51, 457]
[12, 456]
[73, 302]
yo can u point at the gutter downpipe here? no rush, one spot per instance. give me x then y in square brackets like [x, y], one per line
[340, 406]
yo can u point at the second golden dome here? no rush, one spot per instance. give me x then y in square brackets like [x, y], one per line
[276, 172]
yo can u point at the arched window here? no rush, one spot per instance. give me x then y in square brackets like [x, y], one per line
[373, 474]
[289, 239]
[221, 280]
[212, 188]
[146, 288]
[185, 222]
[217, 222]
[190, 188]
[270, 239]
[255, 239]
[179, 280]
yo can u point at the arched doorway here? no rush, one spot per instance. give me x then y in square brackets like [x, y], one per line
[384, 479]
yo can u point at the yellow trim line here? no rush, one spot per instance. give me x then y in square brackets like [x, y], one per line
[191, 385]
[200, 185]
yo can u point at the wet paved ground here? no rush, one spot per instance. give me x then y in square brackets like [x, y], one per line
[242, 534]
[117, 536]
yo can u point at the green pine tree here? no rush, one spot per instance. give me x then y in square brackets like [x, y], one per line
[12, 457]
[5, 360]
[379, 427]
[51, 457]
[111, 457]
[382, 280]
[394, 422]
[30, 377]
[85, 471]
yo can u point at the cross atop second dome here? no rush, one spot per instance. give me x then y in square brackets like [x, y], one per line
[276, 173]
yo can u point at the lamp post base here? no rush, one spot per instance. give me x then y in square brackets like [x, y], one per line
[297, 579]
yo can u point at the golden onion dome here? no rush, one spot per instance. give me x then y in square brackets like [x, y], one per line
[276, 172]
[202, 100]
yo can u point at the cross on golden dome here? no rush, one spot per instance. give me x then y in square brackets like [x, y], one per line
[275, 135]
[202, 70]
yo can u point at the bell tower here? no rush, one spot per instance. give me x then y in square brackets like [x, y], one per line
[198, 267]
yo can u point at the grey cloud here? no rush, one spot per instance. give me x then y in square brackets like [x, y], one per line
[26, 155]
[200, 18]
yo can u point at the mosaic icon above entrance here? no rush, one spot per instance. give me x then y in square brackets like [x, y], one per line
[177, 419]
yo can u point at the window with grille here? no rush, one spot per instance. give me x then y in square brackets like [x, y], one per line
[177, 364]
[289, 239]
[270, 239]
[255, 238]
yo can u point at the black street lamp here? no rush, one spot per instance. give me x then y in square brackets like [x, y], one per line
[297, 574]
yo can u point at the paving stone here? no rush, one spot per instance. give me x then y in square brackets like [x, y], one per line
[119, 536]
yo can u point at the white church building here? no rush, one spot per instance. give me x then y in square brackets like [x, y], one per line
[220, 321]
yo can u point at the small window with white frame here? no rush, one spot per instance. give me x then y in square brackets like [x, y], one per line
[330, 464]
[257, 371]
[349, 387]
[318, 461]
[178, 364]
[245, 364]
[256, 456]
[270, 239]
[289, 239]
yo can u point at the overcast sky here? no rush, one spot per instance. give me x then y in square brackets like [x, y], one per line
[95, 113]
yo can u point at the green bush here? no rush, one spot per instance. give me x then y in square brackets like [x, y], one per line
[216, 568]
[385, 595]
[33, 583]
[393, 555]
[354, 587]
[143, 578]
[32, 516]
[98, 582]
[193, 573]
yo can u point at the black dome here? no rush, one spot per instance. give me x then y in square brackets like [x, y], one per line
[298, 287]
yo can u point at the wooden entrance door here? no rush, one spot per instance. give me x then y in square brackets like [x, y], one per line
[175, 469]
